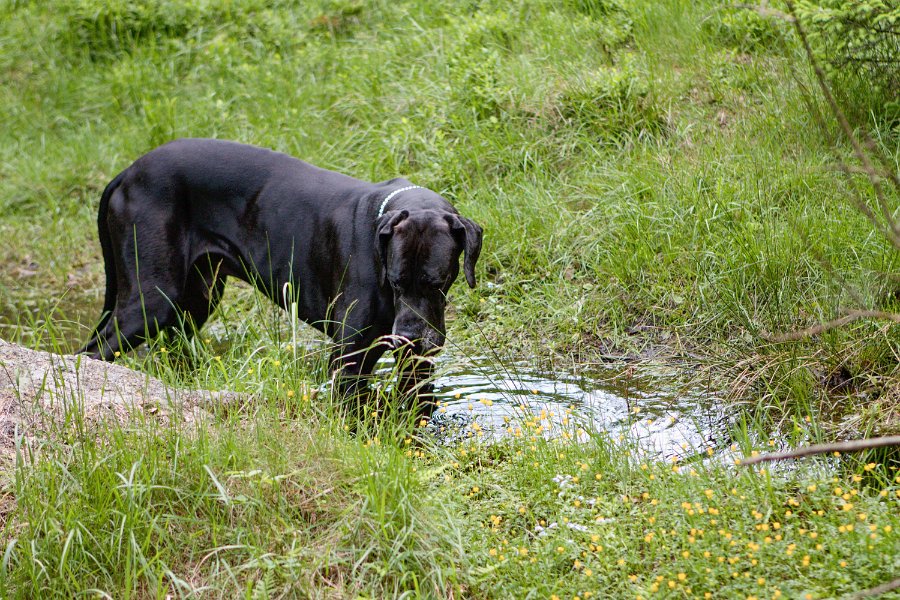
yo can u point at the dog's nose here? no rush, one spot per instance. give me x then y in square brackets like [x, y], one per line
[416, 344]
[408, 341]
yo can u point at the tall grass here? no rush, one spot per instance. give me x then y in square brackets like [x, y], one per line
[650, 184]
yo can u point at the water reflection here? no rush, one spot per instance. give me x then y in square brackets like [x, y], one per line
[648, 404]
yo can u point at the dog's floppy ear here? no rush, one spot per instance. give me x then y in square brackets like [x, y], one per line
[384, 230]
[472, 234]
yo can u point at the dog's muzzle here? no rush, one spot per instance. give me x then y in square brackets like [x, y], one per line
[428, 343]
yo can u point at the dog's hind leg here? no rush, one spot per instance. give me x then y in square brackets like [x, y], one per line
[149, 248]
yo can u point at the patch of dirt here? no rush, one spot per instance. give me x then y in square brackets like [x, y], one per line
[43, 394]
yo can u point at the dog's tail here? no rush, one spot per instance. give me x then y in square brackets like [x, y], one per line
[109, 263]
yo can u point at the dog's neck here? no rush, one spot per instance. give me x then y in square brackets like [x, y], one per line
[387, 198]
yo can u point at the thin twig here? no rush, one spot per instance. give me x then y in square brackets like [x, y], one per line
[851, 316]
[876, 591]
[848, 446]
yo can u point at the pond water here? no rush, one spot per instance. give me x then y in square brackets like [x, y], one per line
[648, 404]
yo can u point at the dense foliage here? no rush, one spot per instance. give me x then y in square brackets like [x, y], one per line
[859, 38]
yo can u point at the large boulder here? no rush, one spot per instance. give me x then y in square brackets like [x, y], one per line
[44, 394]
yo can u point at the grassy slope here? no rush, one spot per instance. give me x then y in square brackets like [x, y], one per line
[644, 176]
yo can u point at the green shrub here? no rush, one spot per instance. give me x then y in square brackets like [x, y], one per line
[858, 42]
[744, 30]
[610, 15]
[596, 8]
[613, 103]
[338, 18]
[105, 27]
[476, 62]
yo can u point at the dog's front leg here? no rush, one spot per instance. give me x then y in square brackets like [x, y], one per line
[351, 369]
[414, 384]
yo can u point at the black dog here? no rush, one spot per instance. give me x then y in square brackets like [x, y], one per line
[363, 260]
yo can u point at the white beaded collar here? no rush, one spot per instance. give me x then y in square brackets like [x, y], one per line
[391, 195]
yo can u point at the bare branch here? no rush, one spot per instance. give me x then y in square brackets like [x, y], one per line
[853, 315]
[849, 446]
[876, 591]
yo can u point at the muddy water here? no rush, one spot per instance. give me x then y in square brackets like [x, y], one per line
[648, 404]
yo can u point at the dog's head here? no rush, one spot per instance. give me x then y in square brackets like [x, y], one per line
[419, 254]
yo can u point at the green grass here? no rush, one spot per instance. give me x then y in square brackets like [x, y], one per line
[278, 499]
[649, 174]
[651, 183]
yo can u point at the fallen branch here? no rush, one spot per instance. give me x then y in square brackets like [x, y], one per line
[877, 590]
[851, 316]
[848, 446]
